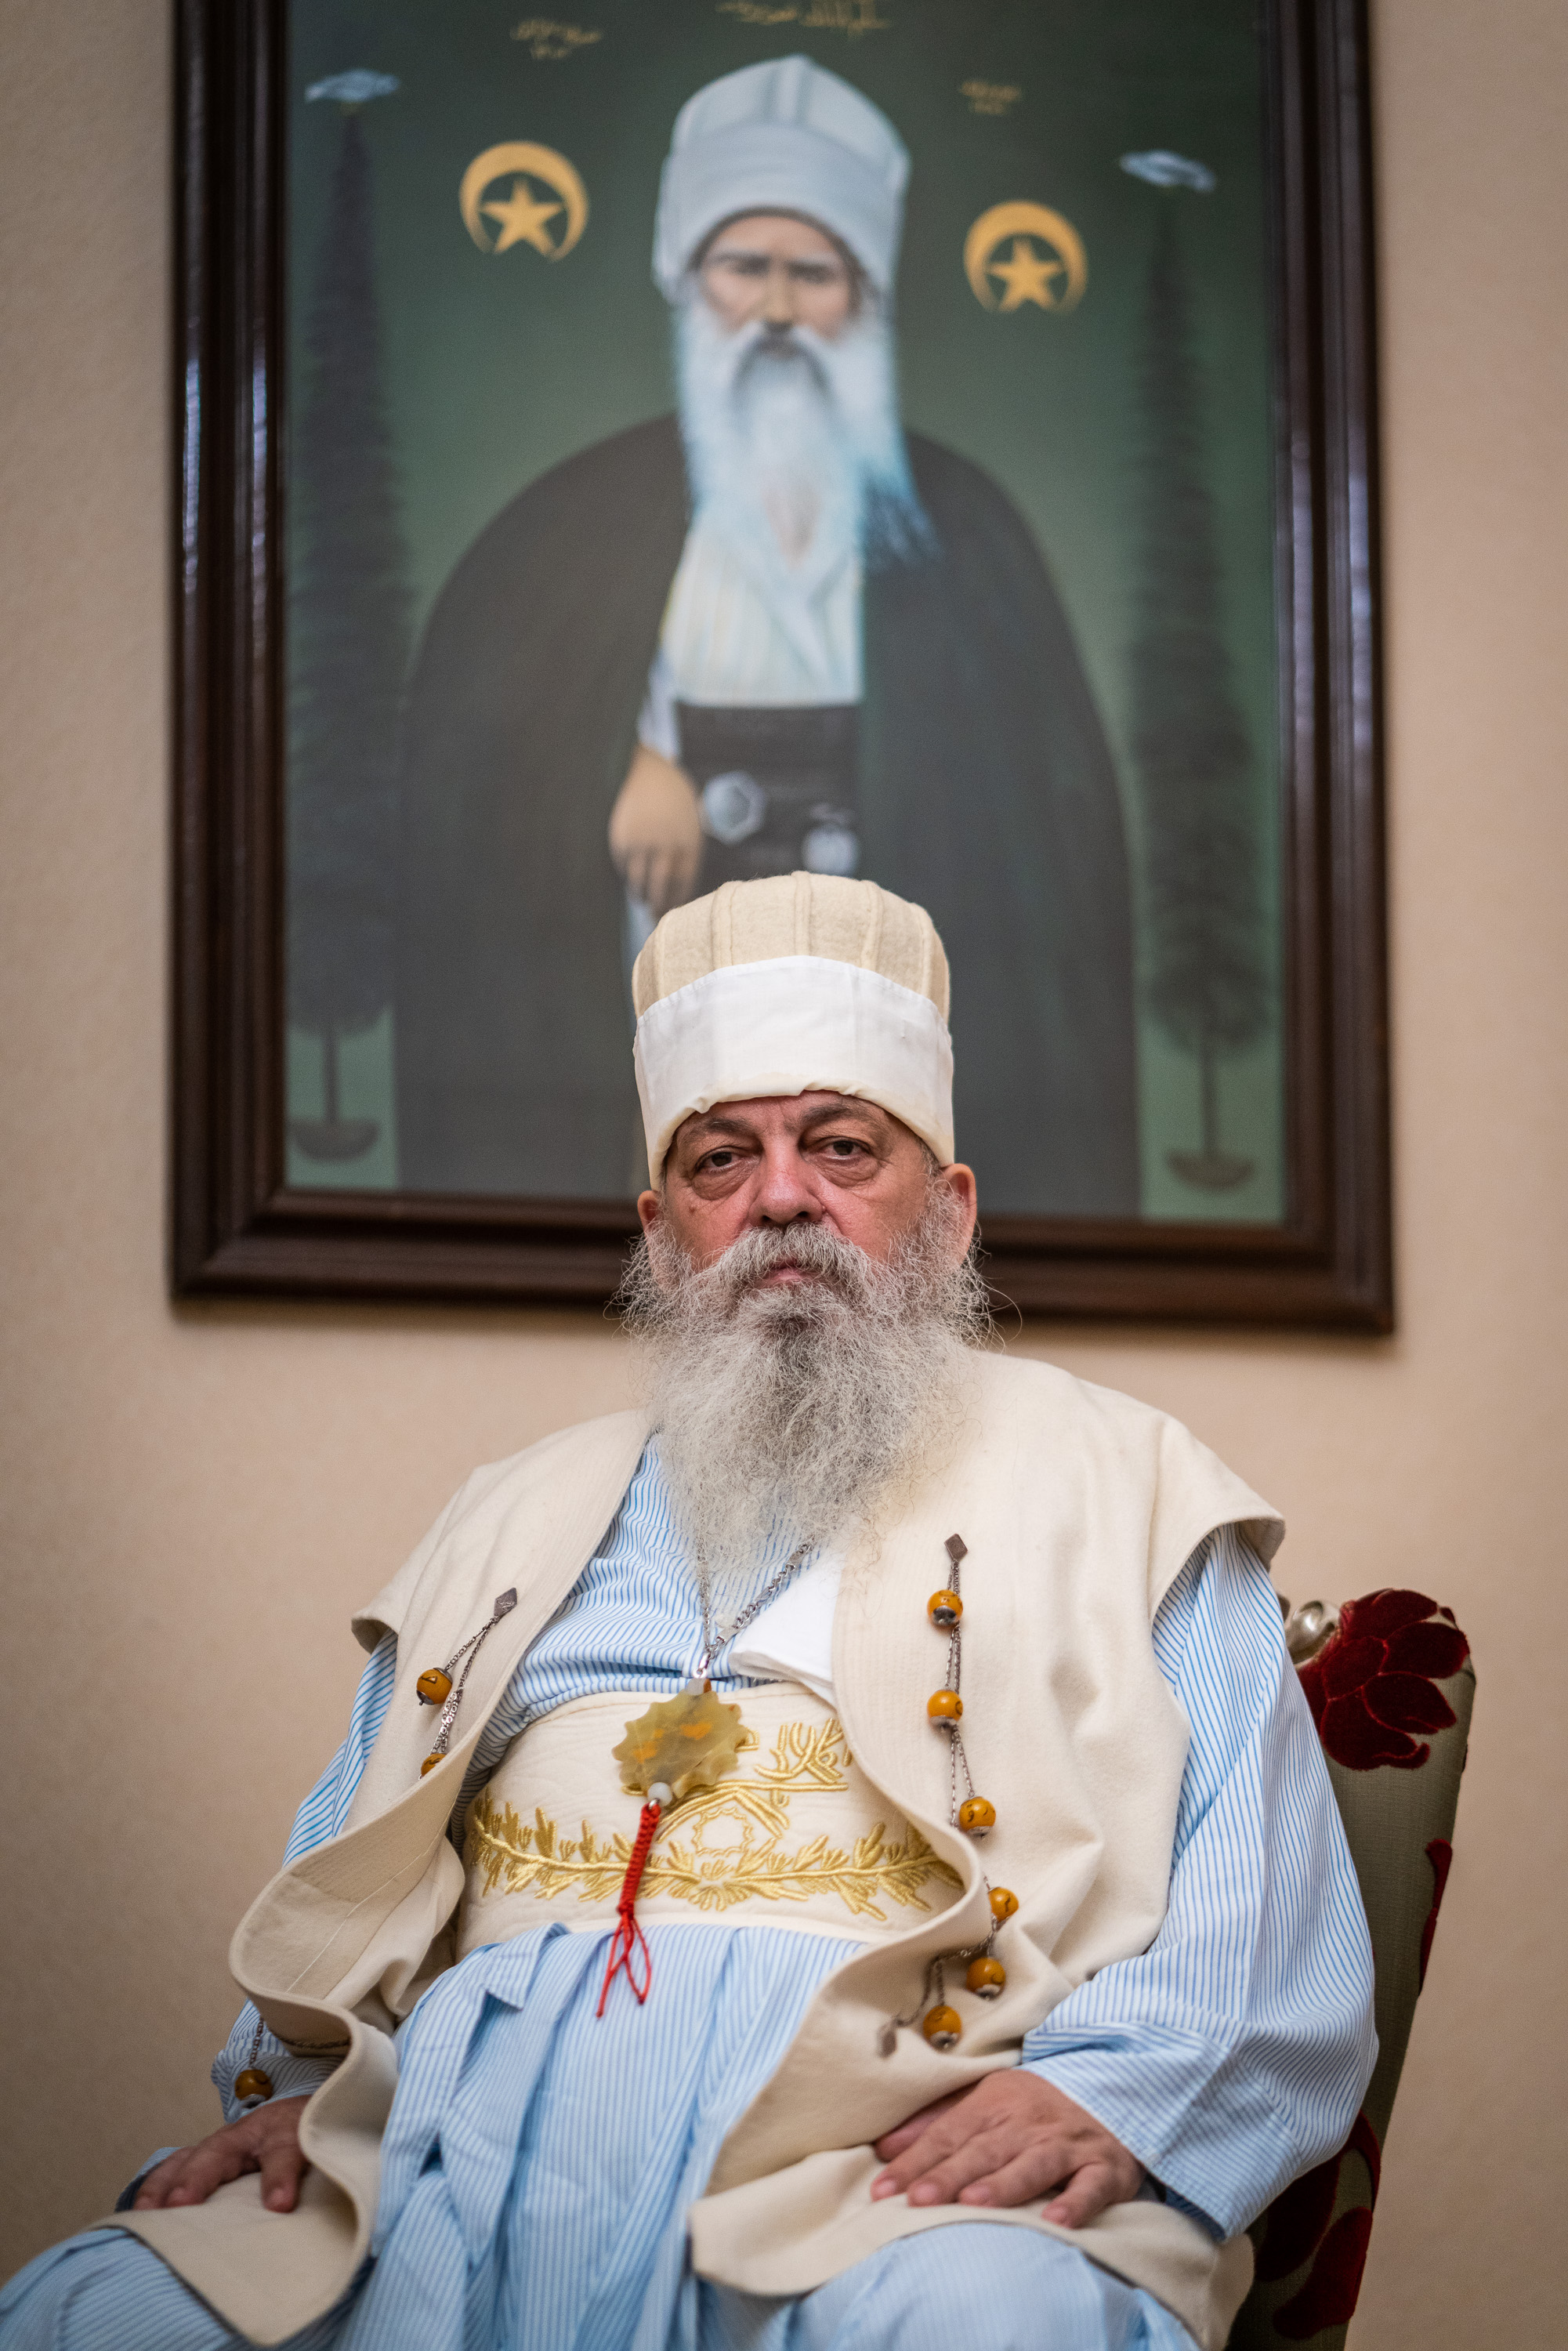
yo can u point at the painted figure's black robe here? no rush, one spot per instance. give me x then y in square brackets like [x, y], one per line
[985, 792]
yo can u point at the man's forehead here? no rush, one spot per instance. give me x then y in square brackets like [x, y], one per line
[790, 233]
[798, 1112]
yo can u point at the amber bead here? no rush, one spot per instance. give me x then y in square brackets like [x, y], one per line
[434, 1687]
[253, 2084]
[943, 2027]
[431, 1760]
[1004, 1902]
[977, 1816]
[986, 1978]
[945, 1706]
[944, 1608]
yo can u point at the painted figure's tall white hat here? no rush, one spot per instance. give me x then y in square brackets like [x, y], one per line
[800, 983]
[785, 136]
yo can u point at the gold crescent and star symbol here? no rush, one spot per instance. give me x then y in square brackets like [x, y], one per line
[519, 214]
[1053, 279]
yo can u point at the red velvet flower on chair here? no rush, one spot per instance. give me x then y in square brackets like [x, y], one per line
[1371, 1689]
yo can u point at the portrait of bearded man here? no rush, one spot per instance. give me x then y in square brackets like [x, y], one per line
[772, 631]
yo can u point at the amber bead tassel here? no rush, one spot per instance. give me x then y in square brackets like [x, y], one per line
[985, 1977]
[434, 1687]
[253, 2083]
[976, 1816]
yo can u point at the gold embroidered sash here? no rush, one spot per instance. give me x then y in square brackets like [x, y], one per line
[796, 1837]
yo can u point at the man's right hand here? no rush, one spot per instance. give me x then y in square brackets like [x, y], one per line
[655, 833]
[267, 2140]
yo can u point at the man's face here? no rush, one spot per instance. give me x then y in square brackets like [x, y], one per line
[771, 268]
[815, 1159]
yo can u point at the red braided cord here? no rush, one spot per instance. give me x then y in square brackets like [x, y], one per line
[629, 1937]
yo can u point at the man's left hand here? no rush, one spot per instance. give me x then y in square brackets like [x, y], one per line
[1009, 2139]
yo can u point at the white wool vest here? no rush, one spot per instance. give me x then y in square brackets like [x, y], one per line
[1079, 1507]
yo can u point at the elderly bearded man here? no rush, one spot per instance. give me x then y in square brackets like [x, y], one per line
[736, 2029]
[772, 631]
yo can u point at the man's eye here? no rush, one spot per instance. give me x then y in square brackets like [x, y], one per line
[718, 1159]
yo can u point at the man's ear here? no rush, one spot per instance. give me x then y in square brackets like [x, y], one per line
[650, 1209]
[959, 1181]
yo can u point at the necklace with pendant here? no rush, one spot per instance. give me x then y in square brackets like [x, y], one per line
[679, 1745]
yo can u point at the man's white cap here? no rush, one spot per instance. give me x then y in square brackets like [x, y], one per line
[787, 136]
[800, 983]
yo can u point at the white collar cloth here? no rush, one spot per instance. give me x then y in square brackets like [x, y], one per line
[791, 1640]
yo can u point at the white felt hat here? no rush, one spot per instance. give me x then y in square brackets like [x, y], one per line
[800, 983]
[786, 136]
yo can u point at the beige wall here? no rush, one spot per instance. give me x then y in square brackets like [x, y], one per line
[192, 1500]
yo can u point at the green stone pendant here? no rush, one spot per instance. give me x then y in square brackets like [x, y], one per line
[682, 1743]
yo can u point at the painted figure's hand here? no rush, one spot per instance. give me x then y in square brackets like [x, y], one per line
[265, 2140]
[1010, 2139]
[655, 833]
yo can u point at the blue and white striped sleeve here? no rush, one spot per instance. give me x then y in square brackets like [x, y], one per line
[321, 1816]
[1233, 2054]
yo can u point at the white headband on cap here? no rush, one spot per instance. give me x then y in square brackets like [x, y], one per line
[783, 136]
[794, 1025]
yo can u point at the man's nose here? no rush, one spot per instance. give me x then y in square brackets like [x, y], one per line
[778, 298]
[782, 1195]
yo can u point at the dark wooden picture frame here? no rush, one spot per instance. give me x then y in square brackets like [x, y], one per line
[238, 1230]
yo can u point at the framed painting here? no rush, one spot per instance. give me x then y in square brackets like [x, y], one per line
[677, 442]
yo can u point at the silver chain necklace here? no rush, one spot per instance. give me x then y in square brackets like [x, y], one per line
[715, 1639]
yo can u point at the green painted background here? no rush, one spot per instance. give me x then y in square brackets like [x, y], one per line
[499, 365]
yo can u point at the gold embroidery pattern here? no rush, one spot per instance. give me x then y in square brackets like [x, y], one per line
[516, 1857]
[850, 16]
[550, 42]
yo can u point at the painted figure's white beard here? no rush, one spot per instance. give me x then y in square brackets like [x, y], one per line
[793, 439]
[794, 1410]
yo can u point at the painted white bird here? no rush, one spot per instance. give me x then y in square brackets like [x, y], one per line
[1162, 169]
[354, 88]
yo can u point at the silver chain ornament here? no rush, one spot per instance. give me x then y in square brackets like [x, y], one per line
[714, 1641]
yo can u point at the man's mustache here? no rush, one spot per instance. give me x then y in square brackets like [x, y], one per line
[766, 346]
[808, 1248]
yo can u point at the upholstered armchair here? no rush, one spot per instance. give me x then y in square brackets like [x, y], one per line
[1390, 1685]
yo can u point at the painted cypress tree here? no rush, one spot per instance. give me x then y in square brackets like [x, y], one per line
[348, 645]
[1206, 976]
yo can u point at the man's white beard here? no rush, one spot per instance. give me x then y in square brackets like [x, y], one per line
[791, 1411]
[793, 439]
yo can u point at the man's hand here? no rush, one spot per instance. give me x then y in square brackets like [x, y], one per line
[1010, 2139]
[655, 833]
[266, 2141]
